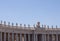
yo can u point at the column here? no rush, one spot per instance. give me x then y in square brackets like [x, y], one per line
[20, 37]
[45, 37]
[24, 37]
[48, 37]
[56, 37]
[16, 36]
[42, 37]
[33, 37]
[53, 37]
[4, 36]
[8, 36]
[36, 38]
[28, 37]
[1, 36]
[12, 36]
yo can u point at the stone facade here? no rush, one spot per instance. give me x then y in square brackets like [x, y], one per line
[23, 33]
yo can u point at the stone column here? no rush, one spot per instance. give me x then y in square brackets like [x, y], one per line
[48, 37]
[53, 37]
[36, 38]
[43, 37]
[4, 36]
[8, 36]
[56, 37]
[20, 37]
[1, 36]
[24, 37]
[12, 36]
[16, 36]
[28, 37]
[33, 37]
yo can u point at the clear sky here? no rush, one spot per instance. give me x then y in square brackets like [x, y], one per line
[30, 11]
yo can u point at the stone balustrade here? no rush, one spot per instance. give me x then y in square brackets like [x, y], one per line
[3, 24]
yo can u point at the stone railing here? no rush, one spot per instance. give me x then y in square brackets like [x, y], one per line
[16, 26]
[3, 24]
[50, 28]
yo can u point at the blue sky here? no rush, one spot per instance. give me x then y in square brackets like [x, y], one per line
[30, 11]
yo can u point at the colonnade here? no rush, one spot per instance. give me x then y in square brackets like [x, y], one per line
[4, 36]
